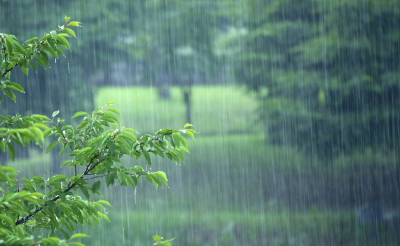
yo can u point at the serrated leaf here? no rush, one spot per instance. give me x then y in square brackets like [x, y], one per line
[111, 116]
[130, 180]
[114, 111]
[182, 140]
[155, 178]
[163, 177]
[15, 86]
[80, 113]
[51, 146]
[9, 94]
[63, 41]
[69, 31]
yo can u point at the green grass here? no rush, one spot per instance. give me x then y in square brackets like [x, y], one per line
[198, 227]
[215, 109]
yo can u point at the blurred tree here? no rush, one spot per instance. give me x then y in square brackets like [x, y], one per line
[327, 73]
[181, 45]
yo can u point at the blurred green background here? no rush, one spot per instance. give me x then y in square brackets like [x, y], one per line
[296, 104]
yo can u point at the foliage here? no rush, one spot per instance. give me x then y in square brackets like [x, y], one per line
[42, 91]
[95, 146]
[327, 76]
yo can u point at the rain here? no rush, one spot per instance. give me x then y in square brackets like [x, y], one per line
[296, 105]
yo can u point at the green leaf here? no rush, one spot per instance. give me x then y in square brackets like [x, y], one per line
[103, 216]
[25, 70]
[56, 178]
[55, 113]
[53, 34]
[121, 178]
[114, 111]
[130, 180]
[9, 45]
[176, 139]
[63, 41]
[51, 146]
[110, 179]
[65, 163]
[51, 51]
[187, 125]
[111, 116]
[190, 134]
[130, 129]
[9, 94]
[184, 149]
[182, 140]
[15, 86]
[66, 18]
[147, 157]
[80, 113]
[84, 190]
[11, 151]
[74, 23]
[130, 135]
[8, 220]
[64, 233]
[157, 238]
[104, 202]
[155, 178]
[69, 31]
[33, 66]
[163, 177]
[78, 235]
[96, 186]
[44, 57]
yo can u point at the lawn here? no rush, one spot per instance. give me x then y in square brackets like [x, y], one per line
[215, 109]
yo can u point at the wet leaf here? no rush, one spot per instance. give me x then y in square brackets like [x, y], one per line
[51, 146]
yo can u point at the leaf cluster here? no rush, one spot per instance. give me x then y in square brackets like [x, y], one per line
[15, 54]
[95, 147]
